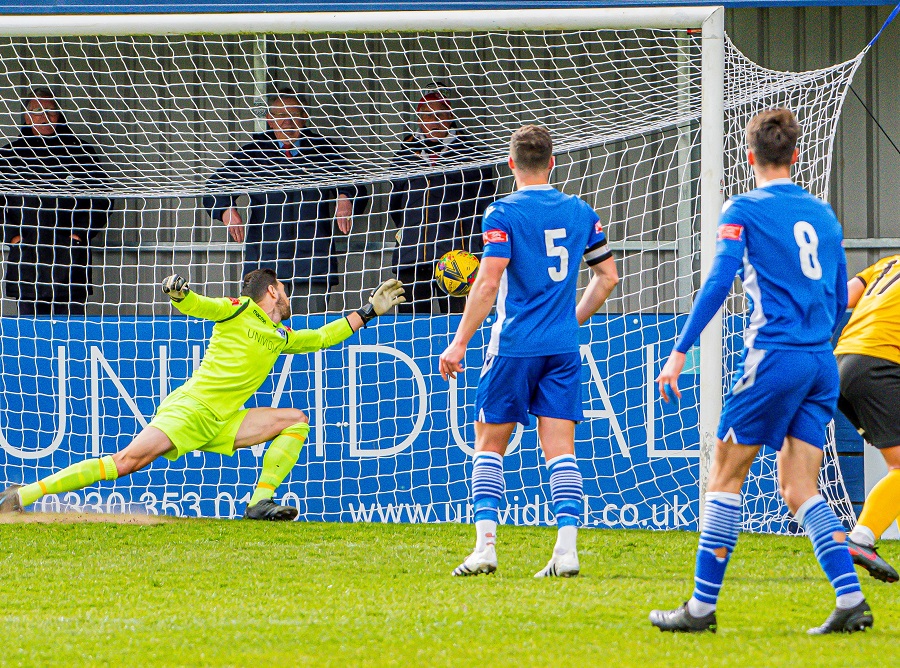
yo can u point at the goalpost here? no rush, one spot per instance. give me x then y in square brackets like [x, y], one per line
[647, 108]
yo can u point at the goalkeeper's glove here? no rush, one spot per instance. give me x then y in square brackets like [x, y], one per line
[175, 287]
[386, 297]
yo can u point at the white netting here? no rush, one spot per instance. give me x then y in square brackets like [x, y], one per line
[389, 438]
[813, 96]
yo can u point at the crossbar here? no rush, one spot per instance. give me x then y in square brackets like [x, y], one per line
[620, 18]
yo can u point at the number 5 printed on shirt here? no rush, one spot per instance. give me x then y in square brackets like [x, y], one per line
[550, 237]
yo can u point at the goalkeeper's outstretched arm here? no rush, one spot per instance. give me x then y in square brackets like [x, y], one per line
[382, 300]
[193, 304]
[388, 295]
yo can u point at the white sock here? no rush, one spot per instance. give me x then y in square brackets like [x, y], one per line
[863, 535]
[699, 608]
[850, 600]
[487, 534]
[566, 538]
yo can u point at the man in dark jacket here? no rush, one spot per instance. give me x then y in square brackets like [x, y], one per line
[48, 270]
[436, 211]
[289, 231]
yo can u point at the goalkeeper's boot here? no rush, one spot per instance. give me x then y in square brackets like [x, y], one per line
[680, 620]
[480, 561]
[560, 565]
[868, 558]
[266, 509]
[9, 500]
[857, 618]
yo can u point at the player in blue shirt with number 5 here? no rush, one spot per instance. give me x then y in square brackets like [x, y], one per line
[787, 247]
[534, 240]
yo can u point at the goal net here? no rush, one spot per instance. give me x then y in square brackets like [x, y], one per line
[171, 130]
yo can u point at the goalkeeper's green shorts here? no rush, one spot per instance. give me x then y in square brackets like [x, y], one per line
[190, 425]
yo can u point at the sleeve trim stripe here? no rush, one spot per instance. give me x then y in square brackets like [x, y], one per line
[242, 308]
[865, 284]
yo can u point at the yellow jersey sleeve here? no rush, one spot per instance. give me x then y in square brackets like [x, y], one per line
[310, 340]
[874, 326]
[209, 308]
[868, 273]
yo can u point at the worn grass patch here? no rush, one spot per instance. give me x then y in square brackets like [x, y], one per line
[81, 518]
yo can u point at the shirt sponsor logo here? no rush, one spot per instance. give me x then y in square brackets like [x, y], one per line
[495, 237]
[281, 333]
[235, 301]
[598, 228]
[259, 317]
[730, 232]
[263, 341]
[488, 211]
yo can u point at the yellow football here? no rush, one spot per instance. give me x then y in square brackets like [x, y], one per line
[456, 271]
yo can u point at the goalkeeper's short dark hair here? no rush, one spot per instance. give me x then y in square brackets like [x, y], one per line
[772, 136]
[257, 283]
[531, 148]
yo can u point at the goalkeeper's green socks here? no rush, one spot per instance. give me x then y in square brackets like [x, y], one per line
[70, 478]
[278, 461]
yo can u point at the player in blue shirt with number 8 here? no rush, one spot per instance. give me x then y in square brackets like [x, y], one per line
[787, 246]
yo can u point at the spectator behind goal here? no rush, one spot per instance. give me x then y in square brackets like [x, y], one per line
[289, 231]
[436, 210]
[48, 270]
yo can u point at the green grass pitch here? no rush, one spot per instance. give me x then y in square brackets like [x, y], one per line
[230, 593]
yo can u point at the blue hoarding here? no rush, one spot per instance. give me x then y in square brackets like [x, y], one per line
[390, 440]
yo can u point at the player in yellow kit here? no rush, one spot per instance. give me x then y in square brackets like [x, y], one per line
[868, 355]
[205, 413]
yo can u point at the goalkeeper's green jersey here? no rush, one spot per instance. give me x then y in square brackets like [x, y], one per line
[244, 346]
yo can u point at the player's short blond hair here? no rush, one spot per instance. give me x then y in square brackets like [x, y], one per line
[772, 136]
[531, 148]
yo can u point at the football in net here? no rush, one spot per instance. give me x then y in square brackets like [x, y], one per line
[455, 272]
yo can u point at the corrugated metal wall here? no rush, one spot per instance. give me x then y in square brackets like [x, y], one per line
[865, 180]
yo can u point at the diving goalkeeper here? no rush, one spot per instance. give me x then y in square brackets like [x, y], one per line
[205, 413]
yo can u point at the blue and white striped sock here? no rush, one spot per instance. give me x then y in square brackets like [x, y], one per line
[566, 494]
[718, 538]
[829, 539]
[487, 489]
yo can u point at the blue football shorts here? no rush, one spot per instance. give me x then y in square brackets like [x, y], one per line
[512, 387]
[780, 393]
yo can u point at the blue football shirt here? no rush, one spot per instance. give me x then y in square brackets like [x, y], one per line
[544, 233]
[790, 244]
